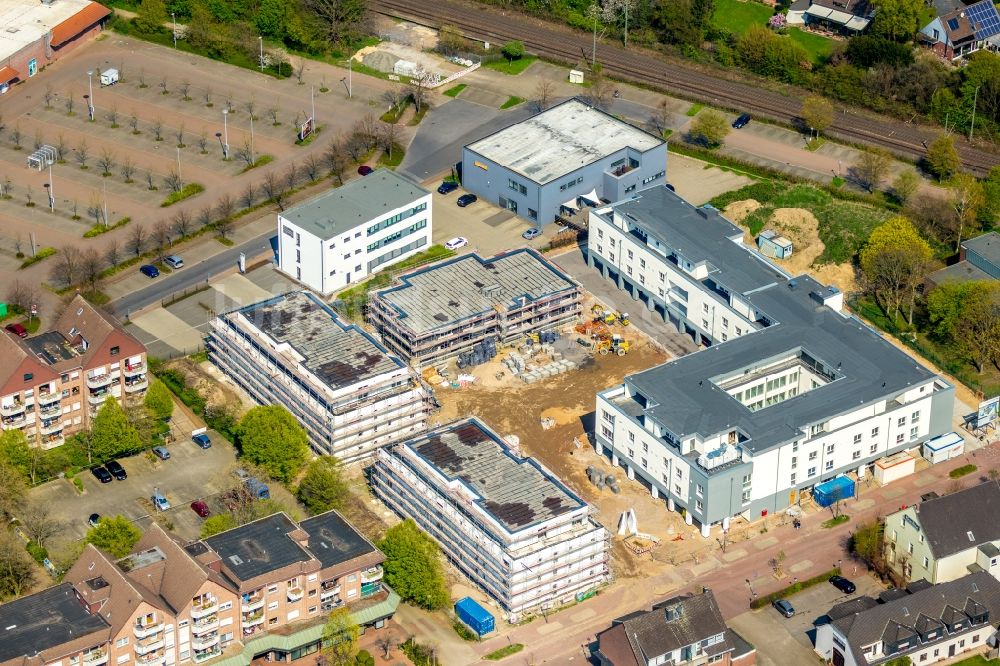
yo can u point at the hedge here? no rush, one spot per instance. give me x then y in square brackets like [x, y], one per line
[760, 602]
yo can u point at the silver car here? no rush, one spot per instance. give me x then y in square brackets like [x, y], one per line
[173, 261]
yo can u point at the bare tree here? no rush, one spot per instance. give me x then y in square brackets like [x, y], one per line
[96, 210]
[245, 153]
[66, 269]
[312, 167]
[272, 113]
[18, 245]
[163, 86]
[224, 207]
[251, 107]
[205, 216]
[69, 101]
[82, 154]
[142, 79]
[388, 134]
[249, 196]
[38, 522]
[48, 96]
[133, 122]
[128, 169]
[179, 135]
[75, 208]
[386, 641]
[203, 143]
[223, 226]
[173, 181]
[292, 176]
[419, 89]
[136, 242]
[274, 189]
[182, 223]
[601, 90]
[106, 162]
[61, 148]
[113, 116]
[207, 96]
[185, 88]
[150, 182]
[660, 119]
[91, 265]
[160, 238]
[29, 196]
[113, 253]
[366, 129]
[157, 129]
[300, 70]
[543, 93]
[21, 295]
[16, 136]
[355, 147]
[336, 160]
[229, 102]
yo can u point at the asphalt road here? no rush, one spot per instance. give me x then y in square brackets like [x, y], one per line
[176, 281]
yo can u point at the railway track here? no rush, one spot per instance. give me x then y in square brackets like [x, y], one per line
[562, 44]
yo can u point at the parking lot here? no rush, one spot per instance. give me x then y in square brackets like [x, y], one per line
[781, 640]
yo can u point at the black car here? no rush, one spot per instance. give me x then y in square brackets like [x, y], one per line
[103, 475]
[842, 584]
[447, 186]
[466, 199]
[94, 519]
[117, 470]
[784, 607]
[742, 121]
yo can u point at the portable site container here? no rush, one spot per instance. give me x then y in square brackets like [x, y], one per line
[475, 616]
[944, 447]
[773, 245]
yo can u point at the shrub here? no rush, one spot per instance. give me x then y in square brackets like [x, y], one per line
[760, 602]
[959, 472]
[37, 552]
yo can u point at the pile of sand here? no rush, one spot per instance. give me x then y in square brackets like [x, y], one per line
[740, 210]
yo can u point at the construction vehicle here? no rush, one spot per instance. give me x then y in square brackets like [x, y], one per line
[533, 338]
[615, 344]
[604, 316]
[623, 319]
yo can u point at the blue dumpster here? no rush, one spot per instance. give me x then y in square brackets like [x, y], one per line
[834, 490]
[478, 618]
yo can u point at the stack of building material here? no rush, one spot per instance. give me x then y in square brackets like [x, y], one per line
[479, 354]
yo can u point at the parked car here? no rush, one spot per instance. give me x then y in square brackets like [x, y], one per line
[466, 199]
[843, 584]
[742, 121]
[103, 475]
[117, 470]
[94, 519]
[533, 232]
[202, 440]
[18, 330]
[173, 261]
[161, 452]
[200, 508]
[364, 170]
[159, 501]
[447, 187]
[149, 270]
[784, 607]
[456, 243]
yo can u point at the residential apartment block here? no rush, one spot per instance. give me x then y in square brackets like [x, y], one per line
[505, 521]
[260, 590]
[793, 391]
[53, 383]
[686, 629]
[565, 156]
[348, 392]
[444, 309]
[343, 236]
[933, 624]
[944, 538]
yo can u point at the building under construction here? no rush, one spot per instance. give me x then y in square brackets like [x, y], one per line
[454, 306]
[348, 392]
[506, 522]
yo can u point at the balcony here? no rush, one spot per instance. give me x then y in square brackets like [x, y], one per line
[49, 398]
[252, 602]
[132, 370]
[253, 619]
[136, 385]
[12, 409]
[295, 594]
[144, 629]
[206, 625]
[205, 642]
[15, 422]
[51, 428]
[98, 381]
[95, 658]
[149, 659]
[205, 607]
[207, 654]
[148, 645]
[52, 441]
[50, 410]
[97, 398]
[371, 575]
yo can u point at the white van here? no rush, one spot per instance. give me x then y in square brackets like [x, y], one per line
[109, 77]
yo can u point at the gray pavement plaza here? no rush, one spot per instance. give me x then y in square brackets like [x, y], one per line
[781, 640]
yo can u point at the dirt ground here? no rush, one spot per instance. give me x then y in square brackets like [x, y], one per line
[202, 378]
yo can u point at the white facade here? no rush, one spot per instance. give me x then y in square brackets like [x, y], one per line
[329, 250]
[535, 568]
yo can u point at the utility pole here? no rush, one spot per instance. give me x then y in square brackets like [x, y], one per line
[52, 189]
[975, 98]
[261, 38]
[105, 203]
[253, 160]
[594, 11]
[174, 17]
[312, 99]
[179, 164]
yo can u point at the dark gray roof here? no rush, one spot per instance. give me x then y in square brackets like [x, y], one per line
[700, 235]
[338, 353]
[673, 624]
[899, 619]
[46, 620]
[963, 271]
[333, 540]
[986, 245]
[355, 203]
[741, 646]
[867, 369]
[948, 521]
[259, 547]
[852, 606]
[517, 492]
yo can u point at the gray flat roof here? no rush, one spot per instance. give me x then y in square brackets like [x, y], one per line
[463, 287]
[560, 140]
[517, 492]
[986, 245]
[963, 271]
[357, 202]
[259, 547]
[333, 540]
[339, 354]
[700, 235]
[45, 620]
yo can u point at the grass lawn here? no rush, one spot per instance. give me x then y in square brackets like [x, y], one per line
[833, 522]
[978, 660]
[959, 472]
[818, 47]
[511, 67]
[737, 16]
[393, 161]
[694, 109]
[512, 101]
[453, 91]
[505, 651]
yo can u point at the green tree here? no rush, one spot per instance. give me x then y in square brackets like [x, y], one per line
[906, 185]
[364, 658]
[111, 433]
[221, 522]
[897, 20]
[873, 167]
[340, 637]
[942, 156]
[270, 437]
[894, 261]
[768, 54]
[16, 452]
[967, 197]
[12, 489]
[115, 536]
[159, 401]
[709, 128]
[17, 571]
[968, 315]
[866, 542]
[323, 487]
[151, 17]
[413, 567]
[674, 22]
[271, 17]
[817, 113]
[989, 214]
[513, 50]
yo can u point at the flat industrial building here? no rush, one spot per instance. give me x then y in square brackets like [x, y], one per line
[567, 156]
[446, 308]
[348, 391]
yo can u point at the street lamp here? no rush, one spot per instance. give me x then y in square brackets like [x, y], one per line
[48, 191]
[261, 38]
[218, 135]
[225, 131]
[348, 79]
[174, 17]
[90, 97]
[51, 186]
[179, 164]
[252, 160]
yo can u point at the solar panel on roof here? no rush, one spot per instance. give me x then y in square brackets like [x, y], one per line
[984, 18]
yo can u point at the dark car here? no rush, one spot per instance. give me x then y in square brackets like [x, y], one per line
[466, 199]
[784, 607]
[200, 508]
[202, 440]
[103, 475]
[18, 330]
[447, 186]
[117, 470]
[94, 519]
[842, 584]
[364, 170]
[149, 270]
[742, 121]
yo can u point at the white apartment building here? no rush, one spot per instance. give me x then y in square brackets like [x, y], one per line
[350, 232]
[505, 521]
[792, 391]
[349, 393]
